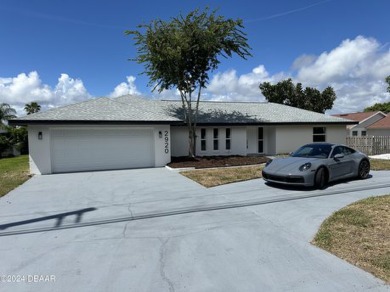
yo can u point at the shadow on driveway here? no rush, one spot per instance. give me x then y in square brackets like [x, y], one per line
[58, 219]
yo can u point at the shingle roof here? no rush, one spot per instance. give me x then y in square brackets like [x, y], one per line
[254, 112]
[137, 109]
[359, 117]
[102, 109]
[381, 124]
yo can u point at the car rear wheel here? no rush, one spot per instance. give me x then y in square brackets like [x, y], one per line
[320, 178]
[364, 169]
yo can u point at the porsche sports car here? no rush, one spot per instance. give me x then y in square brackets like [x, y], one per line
[316, 165]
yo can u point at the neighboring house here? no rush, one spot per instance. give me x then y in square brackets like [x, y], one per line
[380, 128]
[133, 132]
[369, 124]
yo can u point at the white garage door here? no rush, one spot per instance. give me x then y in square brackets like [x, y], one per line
[101, 149]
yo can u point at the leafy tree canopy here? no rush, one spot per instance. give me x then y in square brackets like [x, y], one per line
[181, 52]
[383, 107]
[286, 92]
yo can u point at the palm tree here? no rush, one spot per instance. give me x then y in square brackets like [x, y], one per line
[6, 113]
[32, 107]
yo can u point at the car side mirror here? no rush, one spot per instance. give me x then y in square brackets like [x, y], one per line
[338, 156]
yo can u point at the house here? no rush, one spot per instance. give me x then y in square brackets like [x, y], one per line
[134, 132]
[369, 124]
[380, 128]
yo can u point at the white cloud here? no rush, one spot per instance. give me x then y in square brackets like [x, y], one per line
[125, 88]
[25, 88]
[356, 69]
[69, 90]
[228, 86]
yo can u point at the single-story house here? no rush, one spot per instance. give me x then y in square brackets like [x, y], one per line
[134, 132]
[368, 124]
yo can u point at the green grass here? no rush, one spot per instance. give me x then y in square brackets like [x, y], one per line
[360, 234]
[223, 175]
[13, 172]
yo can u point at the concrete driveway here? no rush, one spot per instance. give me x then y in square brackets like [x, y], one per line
[155, 230]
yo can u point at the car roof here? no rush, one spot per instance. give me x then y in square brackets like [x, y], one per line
[321, 144]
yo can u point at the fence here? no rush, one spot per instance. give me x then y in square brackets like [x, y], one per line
[370, 145]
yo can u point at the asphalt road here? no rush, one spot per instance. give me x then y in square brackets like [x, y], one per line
[155, 230]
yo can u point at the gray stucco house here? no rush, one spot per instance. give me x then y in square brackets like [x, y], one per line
[135, 132]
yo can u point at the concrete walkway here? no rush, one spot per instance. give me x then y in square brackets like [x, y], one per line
[155, 230]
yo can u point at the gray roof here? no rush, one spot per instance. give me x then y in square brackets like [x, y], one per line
[128, 109]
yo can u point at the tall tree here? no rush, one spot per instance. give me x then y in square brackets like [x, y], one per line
[286, 92]
[32, 107]
[383, 107]
[388, 83]
[6, 113]
[180, 54]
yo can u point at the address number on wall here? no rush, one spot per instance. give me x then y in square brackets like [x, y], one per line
[166, 141]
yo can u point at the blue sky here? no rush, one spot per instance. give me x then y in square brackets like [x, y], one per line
[60, 52]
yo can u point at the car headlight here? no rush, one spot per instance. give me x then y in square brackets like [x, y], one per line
[305, 166]
[268, 162]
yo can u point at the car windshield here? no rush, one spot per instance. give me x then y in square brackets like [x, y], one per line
[313, 151]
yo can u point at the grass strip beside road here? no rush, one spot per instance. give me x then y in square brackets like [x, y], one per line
[360, 234]
[380, 164]
[223, 175]
[13, 172]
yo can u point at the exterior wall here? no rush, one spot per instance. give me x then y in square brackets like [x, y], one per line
[244, 140]
[378, 132]
[289, 138]
[162, 142]
[40, 150]
[179, 141]
[238, 141]
[268, 140]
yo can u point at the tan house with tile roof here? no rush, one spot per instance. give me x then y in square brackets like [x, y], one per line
[369, 124]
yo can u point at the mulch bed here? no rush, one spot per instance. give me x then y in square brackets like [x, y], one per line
[215, 161]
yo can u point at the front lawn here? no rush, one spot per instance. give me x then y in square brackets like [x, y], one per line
[224, 175]
[13, 172]
[360, 234]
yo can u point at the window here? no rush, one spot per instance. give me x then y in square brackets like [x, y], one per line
[319, 134]
[260, 142]
[364, 133]
[354, 133]
[215, 139]
[228, 139]
[342, 150]
[203, 139]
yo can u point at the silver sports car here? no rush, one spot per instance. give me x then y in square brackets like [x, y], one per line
[316, 165]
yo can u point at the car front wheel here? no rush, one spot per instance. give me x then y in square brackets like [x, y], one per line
[320, 178]
[364, 169]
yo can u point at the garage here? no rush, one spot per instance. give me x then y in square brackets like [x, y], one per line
[88, 149]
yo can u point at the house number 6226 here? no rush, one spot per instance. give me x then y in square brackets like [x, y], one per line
[166, 140]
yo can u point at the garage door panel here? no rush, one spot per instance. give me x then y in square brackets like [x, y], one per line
[101, 149]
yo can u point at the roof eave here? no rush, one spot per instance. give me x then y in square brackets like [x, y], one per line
[89, 122]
